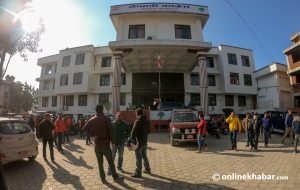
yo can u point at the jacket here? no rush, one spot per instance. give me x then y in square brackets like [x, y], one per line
[46, 127]
[266, 123]
[100, 127]
[296, 127]
[141, 129]
[202, 127]
[234, 123]
[59, 125]
[122, 130]
[246, 123]
[288, 121]
[256, 125]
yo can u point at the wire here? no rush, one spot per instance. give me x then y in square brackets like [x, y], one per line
[250, 29]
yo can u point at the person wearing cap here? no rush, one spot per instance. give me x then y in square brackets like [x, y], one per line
[141, 129]
[46, 128]
[122, 130]
[100, 126]
[296, 127]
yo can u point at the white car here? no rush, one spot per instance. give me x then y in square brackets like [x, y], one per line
[17, 141]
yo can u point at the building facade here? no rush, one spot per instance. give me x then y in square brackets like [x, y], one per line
[273, 87]
[293, 59]
[154, 56]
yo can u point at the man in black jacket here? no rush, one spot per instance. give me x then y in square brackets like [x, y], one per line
[140, 131]
[46, 128]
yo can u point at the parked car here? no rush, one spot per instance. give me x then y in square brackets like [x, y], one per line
[183, 127]
[17, 141]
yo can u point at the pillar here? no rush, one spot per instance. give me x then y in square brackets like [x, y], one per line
[116, 85]
[201, 57]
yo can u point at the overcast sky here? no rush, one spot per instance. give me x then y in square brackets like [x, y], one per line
[71, 23]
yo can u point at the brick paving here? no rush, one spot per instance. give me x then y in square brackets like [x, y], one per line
[177, 167]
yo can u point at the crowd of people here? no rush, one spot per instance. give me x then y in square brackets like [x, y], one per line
[109, 137]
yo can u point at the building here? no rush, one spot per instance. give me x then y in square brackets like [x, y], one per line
[273, 87]
[4, 86]
[293, 59]
[126, 73]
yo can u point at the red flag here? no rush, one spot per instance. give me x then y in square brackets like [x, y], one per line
[158, 61]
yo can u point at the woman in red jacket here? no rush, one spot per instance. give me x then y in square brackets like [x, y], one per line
[201, 134]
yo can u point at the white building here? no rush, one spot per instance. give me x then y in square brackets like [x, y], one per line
[274, 89]
[77, 79]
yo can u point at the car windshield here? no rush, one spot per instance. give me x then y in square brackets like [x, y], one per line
[184, 117]
[12, 128]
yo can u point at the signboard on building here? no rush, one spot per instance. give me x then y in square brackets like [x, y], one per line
[159, 7]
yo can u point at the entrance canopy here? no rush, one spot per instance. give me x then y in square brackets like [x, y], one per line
[140, 56]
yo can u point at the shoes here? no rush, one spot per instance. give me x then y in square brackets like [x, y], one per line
[206, 149]
[108, 173]
[251, 148]
[147, 171]
[118, 179]
[296, 151]
[235, 149]
[231, 149]
[52, 160]
[104, 181]
[120, 170]
[266, 146]
[136, 175]
[45, 159]
[198, 151]
[282, 142]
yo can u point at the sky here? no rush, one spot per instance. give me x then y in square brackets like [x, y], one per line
[72, 23]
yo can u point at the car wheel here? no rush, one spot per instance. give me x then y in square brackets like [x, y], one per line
[31, 158]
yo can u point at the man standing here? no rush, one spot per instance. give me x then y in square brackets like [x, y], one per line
[59, 131]
[246, 125]
[266, 124]
[46, 128]
[100, 127]
[81, 124]
[296, 127]
[256, 130]
[122, 131]
[234, 127]
[288, 127]
[141, 129]
[31, 123]
[201, 134]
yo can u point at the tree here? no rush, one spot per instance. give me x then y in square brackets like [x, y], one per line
[13, 39]
[21, 96]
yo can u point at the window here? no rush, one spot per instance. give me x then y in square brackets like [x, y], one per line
[64, 79]
[14, 128]
[195, 100]
[247, 80]
[122, 99]
[106, 62]
[46, 86]
[234, 78]
[136, 31]
[68, 100]
[212, 100]
[194, 77]
[77, 78]
[45, 102]
[82, 100]
[232, 59]
[242, 101]
[245, 61]
[54, 101]
[48, 69]
[79, 59]
[104, 80]
[210, 62]
[183, 31]
[103, 99]
[211, 80]
[66, 61]
[229, 100]
[123, 78]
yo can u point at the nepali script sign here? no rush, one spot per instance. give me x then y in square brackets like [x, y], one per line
[159, 7]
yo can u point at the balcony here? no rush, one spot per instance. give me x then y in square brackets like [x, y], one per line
[45, 77]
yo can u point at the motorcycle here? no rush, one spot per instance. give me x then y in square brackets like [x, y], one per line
[212, 129]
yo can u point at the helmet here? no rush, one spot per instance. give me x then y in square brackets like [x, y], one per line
[132, 144]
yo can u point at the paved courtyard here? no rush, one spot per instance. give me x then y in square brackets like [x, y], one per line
[172, 167]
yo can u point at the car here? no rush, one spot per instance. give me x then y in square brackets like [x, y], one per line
[170, 106]
[183, 127]
[17, 141]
